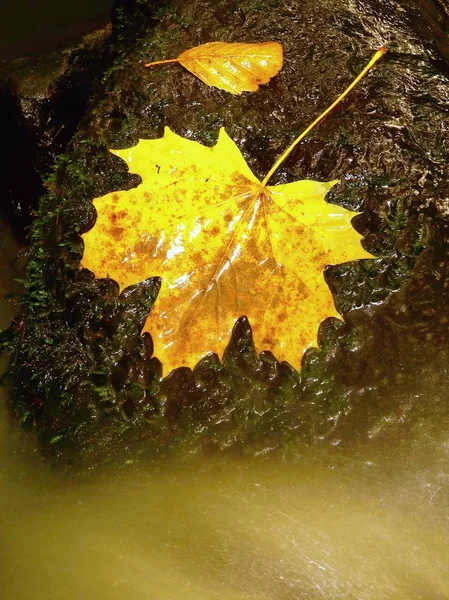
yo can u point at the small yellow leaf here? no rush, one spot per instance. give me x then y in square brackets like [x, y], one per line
[235, 68]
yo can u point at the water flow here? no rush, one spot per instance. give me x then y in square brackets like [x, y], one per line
[374, 527]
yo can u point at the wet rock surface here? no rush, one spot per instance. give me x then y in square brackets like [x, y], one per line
[82, 375]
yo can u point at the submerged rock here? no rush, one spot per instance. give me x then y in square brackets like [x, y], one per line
[82, 375]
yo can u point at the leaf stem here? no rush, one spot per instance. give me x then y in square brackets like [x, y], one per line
[278, 163]
[162, 62]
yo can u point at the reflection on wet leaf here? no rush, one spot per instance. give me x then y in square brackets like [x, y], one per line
[235, 68]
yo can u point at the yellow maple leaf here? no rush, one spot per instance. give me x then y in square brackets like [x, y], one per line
[235, 68]
[225, 245]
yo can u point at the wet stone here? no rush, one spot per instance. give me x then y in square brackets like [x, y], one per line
[387, 144]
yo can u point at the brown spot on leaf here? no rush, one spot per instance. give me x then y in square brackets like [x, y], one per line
[117, 232]
[215, 230]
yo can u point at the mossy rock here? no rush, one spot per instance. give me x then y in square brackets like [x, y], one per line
[82, 375]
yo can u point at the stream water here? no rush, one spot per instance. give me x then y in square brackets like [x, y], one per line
[376, 526]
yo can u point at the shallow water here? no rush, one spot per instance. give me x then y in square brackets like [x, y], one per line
[220, 531]
[374, 525]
